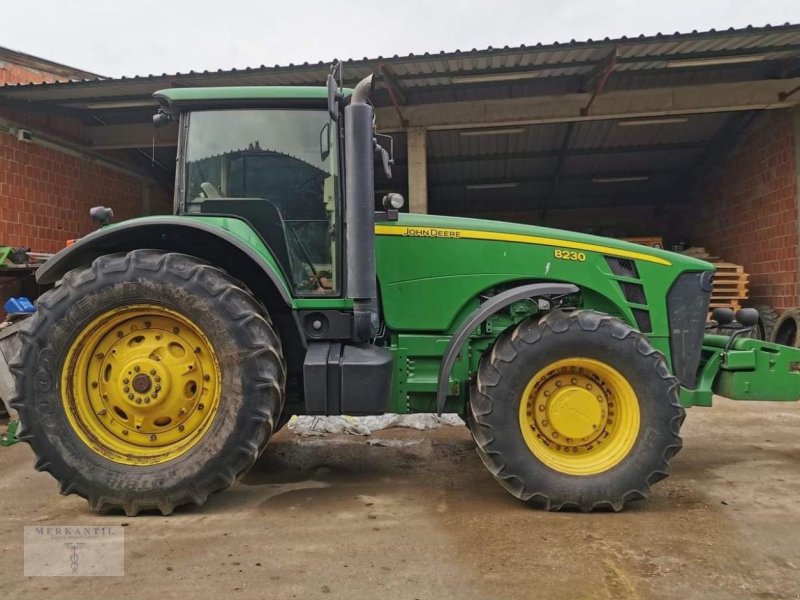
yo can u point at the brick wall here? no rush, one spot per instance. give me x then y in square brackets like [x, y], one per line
[11, 73]
[45, 195]
[749, 209]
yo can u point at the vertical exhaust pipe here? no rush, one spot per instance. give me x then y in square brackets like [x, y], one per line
[360, 212]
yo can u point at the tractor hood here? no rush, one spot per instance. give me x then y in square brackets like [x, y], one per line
[434, 226]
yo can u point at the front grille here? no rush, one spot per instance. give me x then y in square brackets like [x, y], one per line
[643, 320]
[687, 307]
[623, 267]
[633, 292]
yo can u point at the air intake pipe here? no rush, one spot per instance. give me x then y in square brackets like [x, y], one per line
[360, 212]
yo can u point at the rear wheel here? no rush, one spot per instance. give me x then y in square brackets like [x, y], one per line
[767, 318]
[148, 381]
[787, 329]
[577, 410]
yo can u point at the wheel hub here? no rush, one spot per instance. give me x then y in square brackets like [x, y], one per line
[568, 416]
[574, 413]
[142, 383]
[152, 383]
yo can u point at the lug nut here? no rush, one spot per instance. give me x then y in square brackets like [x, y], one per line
[152, 371]
[181, 428]
[136, 368]
[147, 400]
[152, 437]
[157, 378]
[94, 384]
[125, 381]
[158, 388]
[130, 396]
[126, 389]
[175, 330]
[138, 401]
[120, 334]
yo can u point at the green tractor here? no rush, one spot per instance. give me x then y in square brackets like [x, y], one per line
[171, 348]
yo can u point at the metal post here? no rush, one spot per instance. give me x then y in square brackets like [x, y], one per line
[417, 170]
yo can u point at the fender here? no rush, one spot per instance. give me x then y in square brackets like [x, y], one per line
[480, 315]
[180, 234]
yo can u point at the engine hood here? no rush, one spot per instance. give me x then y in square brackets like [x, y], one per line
[435, 226]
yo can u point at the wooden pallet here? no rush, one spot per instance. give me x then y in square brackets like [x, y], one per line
[730, 285]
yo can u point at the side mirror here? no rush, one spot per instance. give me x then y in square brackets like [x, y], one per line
[325, 141]
[333, 97]
[387, 156]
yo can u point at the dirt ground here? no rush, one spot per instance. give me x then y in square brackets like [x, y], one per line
[340, 517]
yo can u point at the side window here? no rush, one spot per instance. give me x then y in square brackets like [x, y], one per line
[279, 170]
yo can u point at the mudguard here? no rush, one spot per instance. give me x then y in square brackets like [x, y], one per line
[244, 256]
[479, 316]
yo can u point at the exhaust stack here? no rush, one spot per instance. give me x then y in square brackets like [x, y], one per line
[360, 212]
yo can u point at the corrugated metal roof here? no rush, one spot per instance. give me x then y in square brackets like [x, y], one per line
[415, 72]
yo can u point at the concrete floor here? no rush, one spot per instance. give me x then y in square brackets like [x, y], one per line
[334, 517]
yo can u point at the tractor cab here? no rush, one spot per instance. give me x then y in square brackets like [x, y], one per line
[273, 162]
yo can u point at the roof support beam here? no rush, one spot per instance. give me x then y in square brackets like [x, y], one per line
[544, 154]
[598, 78]
[648, 173]
[112, 137]
[723, 97]
[562, 155]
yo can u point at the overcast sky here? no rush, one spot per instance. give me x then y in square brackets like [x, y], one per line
[126, 37]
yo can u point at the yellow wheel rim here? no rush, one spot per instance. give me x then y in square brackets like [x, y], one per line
[579, 416]
[141, 384]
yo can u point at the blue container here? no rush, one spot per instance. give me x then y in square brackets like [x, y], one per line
[19, 305]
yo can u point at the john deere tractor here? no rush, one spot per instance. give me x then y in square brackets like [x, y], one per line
[171, 348]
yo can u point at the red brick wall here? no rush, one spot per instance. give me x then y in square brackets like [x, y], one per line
[749, 210]
[45, 195]
[11, 73]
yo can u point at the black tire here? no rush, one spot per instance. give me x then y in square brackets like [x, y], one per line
[251, 366]
[767, 319]
[503, 375]
[787, 328]
[282, 421]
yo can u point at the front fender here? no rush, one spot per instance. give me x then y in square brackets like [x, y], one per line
[480, 315]
[230, 244]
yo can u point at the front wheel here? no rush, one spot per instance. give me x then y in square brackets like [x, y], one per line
[147, 381]
[576, 410]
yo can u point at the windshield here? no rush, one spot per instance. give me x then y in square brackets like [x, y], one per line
[278, 170]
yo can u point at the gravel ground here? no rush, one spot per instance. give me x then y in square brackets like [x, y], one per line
[407, 514]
